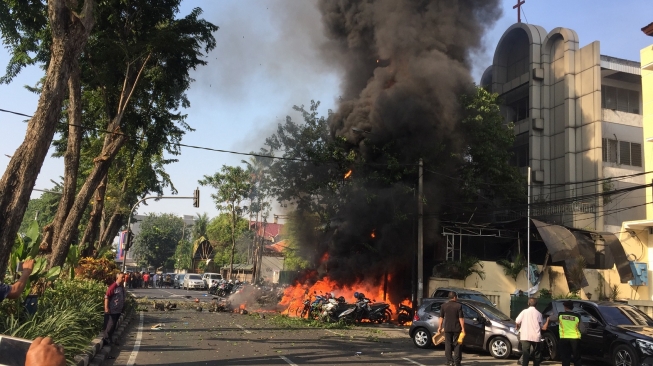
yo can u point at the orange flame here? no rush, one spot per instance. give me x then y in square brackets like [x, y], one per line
[373, 234]
[293, 296]
[348, 174]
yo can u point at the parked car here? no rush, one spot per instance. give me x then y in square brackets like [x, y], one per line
[179, 280]
[193, 281]
[463, 294]
[486, 327]
[208, 278]
[617, 333]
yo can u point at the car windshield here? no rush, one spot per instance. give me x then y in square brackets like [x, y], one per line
[493, 313]
[216, 276]
[194, 277]
[624, 315]
[476, 297]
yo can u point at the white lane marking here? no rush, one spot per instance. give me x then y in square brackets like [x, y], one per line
[411, 361]
[336, 333]
[168, 292]
[243, 328]
[137, 344]
[288, 361]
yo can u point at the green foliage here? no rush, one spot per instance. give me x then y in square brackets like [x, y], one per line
[467, 266]
[100, 269]
[183, 255]
[487, 171]
[219, 229]
[545, 294]
[70, 313]
[42, 208]
[302, 231]
[513, 270]
[72, 260]
[25, 247]
[158, 239]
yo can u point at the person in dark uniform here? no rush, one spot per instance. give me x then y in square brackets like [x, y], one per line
[453, 323]
[569, 335]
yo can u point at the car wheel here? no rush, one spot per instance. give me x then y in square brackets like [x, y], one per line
[422, 338]
[551, 346]
[500, 348]
[624, 355]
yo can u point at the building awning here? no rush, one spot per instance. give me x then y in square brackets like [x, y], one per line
[565, 244]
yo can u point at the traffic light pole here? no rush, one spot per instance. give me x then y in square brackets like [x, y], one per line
[195, 198]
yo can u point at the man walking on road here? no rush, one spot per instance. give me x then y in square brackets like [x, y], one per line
[146, 280]
[453, 322]
[530, 324]
[114, 301]
[569, 335]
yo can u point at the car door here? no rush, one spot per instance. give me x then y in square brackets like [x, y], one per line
[592, 327]
[474, 327]
[433, 315]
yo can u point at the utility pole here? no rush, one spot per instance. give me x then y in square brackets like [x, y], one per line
[528, 235]
[420, 234]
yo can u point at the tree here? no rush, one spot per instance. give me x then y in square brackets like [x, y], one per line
[232, 187]
[218, 232]
[184, 255]
[259, 208]
[157, 241]
[42, 208]
[138, 65]
[511, 269]
[66, 25]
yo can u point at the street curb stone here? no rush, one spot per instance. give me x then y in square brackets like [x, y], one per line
[97, 352]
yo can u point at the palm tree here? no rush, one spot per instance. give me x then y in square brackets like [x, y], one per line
[513, 269]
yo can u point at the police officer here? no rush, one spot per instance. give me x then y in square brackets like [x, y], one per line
[569, 335]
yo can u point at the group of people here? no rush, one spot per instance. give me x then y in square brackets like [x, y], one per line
[530, 324]
[147, 280]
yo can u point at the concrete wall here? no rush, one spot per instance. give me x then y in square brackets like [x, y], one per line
[498, 287]
[646, 55]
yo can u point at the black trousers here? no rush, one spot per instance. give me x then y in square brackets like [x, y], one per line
[110, 322]
[451, 341]
[568, 349]
[531, 351]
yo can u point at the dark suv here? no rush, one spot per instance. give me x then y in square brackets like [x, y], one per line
[616, 333]
[462, 293]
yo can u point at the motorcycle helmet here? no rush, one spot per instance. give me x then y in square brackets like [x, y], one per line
[341, 299]
[356, 295]
[361, 296]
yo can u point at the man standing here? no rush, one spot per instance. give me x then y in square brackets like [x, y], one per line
[530, 323]
[114, 301]
[146, 280]
[453, 322]
[569, 335]
[154, 278]
[14, 291]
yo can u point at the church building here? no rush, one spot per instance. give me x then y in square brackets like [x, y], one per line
[577, 117]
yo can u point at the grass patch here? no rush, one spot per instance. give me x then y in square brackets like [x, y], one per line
[285, 321]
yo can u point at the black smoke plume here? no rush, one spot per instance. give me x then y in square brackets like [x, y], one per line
[405, 63]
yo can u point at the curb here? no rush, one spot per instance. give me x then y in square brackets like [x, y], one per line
[96, 352]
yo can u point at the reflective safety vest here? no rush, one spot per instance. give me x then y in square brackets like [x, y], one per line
[569, 325]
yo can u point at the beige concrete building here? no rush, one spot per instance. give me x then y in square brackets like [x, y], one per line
[577, 119]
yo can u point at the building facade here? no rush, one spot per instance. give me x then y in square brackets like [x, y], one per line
[577, 119]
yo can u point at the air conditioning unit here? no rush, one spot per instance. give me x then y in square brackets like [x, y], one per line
[640, 274]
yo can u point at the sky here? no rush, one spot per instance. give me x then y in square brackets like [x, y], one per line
[267, 59]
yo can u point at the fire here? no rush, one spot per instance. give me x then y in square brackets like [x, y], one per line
[293, 297]
[348, 174]
[373, 234]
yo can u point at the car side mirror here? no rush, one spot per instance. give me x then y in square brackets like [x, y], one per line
[479, 321]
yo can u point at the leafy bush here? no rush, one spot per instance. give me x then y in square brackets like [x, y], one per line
[101, 269]
[70, 312]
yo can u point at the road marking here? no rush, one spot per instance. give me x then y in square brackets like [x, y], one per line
[287, 361]
[168, 292]
[336, 333]
[411, 361]
[137, 344]
[243, 328]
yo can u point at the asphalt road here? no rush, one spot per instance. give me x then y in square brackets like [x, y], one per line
[188, 337]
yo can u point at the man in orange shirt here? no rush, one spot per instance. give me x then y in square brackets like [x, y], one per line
[146, 280]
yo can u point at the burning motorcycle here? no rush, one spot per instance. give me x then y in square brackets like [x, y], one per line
[405, 314]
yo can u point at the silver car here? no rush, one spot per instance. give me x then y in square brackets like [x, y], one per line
[178, 281]
[193, 281]
[486, 327]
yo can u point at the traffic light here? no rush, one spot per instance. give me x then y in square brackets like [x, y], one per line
[130, 240]
[196, 198]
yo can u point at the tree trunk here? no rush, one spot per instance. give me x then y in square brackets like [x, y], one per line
[70, 32]
[102, 163]
[111, 229]
[71, 158]
[88, 239]
[233, 243]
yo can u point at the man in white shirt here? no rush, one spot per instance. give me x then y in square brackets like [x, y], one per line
[530, 324]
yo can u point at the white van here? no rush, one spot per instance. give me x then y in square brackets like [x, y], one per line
[210, 277]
